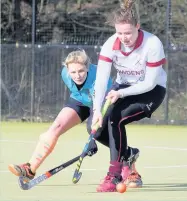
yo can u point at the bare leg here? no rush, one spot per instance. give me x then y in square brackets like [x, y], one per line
[66, 119]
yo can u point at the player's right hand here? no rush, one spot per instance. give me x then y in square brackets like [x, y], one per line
[97, 118]
[113, 96]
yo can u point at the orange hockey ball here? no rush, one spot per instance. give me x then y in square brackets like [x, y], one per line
[121, 187]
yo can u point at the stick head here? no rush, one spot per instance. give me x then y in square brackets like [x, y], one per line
[23, 185]
[77, 177]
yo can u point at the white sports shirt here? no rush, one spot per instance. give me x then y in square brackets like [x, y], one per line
[140, 67]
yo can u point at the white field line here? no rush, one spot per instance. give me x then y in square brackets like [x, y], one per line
[165, 167]
[104, 169]
[77, 141]
[32, 142]
[18, 141]
[166, 148]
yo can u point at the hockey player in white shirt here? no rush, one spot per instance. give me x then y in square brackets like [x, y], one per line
[139, 89]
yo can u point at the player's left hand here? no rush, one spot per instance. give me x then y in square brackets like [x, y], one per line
[113, 96]
[92, 148]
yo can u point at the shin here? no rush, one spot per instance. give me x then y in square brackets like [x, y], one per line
[66, 119]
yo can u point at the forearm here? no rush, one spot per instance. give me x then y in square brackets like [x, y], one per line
[139, 88]
[144, 86]
[102, 77]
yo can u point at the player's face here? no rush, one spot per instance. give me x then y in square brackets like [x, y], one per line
[77, 72]
[127, 33]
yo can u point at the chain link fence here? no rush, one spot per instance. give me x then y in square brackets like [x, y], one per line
[37, 36]
[50, 93]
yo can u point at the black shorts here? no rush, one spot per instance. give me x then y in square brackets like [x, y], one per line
[148, 101]
[82, 110]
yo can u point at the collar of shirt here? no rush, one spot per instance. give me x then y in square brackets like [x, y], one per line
[117, 44]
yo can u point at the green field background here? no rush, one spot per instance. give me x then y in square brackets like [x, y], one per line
[162, 164]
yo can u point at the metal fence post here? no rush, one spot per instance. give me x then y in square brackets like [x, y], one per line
[167, 50]
[33, 59]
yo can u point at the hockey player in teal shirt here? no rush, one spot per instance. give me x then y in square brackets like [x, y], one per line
[84, 92]
[79, 76]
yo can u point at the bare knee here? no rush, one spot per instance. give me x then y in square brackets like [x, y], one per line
[55, 130]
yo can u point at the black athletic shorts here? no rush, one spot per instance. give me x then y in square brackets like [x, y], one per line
[82, 110]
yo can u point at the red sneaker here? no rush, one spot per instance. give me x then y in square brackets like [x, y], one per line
[22, 170]
[129, 165]
[125, 172]
[109, 183]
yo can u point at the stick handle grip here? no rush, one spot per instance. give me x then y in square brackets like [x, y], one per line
[103, 112]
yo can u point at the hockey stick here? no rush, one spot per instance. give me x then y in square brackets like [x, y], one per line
[46, 175]
[77, 174]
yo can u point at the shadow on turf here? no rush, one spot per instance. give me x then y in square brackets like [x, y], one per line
[55, 185]
[145, 188]
[162, 187]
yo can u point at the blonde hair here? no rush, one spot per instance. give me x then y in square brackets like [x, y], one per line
[78, 56]
[125, 14]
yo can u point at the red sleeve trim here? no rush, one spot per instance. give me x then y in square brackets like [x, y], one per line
[103, 58]
[156, 64]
